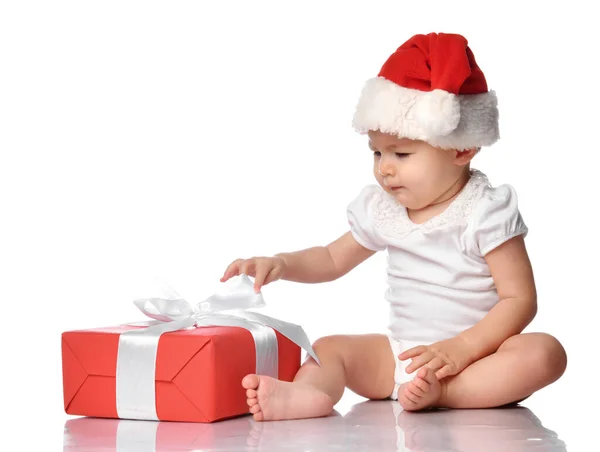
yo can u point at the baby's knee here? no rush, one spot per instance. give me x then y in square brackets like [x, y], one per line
[332, 348]
[550, 355]
[328, 343]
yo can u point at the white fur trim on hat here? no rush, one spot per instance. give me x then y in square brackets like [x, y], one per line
[440, 118]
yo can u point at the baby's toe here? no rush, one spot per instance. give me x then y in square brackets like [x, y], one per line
[410, 396]
[405, 401]
[422, 373]
[421, 384]
[255, 408]
[414, 389]
[250, 381]
[428, 375]
[251, 393]
[252, 402]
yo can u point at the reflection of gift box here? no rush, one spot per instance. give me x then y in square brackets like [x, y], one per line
[188, 365]
[198, 377]
[95, 435]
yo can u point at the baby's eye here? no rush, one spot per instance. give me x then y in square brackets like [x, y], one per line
[401, 154]
[376, 153]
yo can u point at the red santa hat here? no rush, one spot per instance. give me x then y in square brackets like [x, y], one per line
[431, 89]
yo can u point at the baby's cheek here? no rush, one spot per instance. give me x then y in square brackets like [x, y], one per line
[378, 176]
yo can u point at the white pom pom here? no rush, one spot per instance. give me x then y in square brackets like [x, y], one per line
[437, 112]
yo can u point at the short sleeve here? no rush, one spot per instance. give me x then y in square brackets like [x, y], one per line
[360, 218]
[497, 218]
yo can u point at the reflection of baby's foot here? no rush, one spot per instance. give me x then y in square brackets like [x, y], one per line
[254, 437]
[271, 435]
[423, 392]
[270, 399]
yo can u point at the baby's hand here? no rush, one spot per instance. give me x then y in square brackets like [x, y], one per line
[447, 357]
[264, 270]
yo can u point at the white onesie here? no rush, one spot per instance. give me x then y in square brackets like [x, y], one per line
[439, 282]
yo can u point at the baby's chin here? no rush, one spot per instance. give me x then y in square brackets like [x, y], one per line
[402, 198]
[407, 200]
[405, 197]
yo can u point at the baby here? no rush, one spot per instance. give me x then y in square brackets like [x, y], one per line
[461, 288]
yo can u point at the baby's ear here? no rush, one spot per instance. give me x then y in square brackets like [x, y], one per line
[465, 156]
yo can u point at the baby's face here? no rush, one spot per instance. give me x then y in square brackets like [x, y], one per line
[413, 171]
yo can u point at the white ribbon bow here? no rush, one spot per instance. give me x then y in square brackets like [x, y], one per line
[136, 358]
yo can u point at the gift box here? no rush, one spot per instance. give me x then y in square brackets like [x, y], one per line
[186, 366]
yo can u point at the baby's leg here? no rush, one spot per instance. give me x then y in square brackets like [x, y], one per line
[522, 365]
[363, 363]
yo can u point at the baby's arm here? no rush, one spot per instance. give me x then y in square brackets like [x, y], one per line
[325, 263]
[512, 273]
[312, 265]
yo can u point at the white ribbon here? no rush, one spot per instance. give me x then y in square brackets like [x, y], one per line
[136, 357]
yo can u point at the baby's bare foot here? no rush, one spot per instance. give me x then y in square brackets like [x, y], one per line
[423, 392]
[271, 400]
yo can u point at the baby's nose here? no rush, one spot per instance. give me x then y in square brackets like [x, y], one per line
[385, 166]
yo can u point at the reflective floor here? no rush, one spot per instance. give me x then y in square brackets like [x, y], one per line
[366, 426]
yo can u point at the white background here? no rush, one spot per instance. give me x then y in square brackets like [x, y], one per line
[143, 139]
